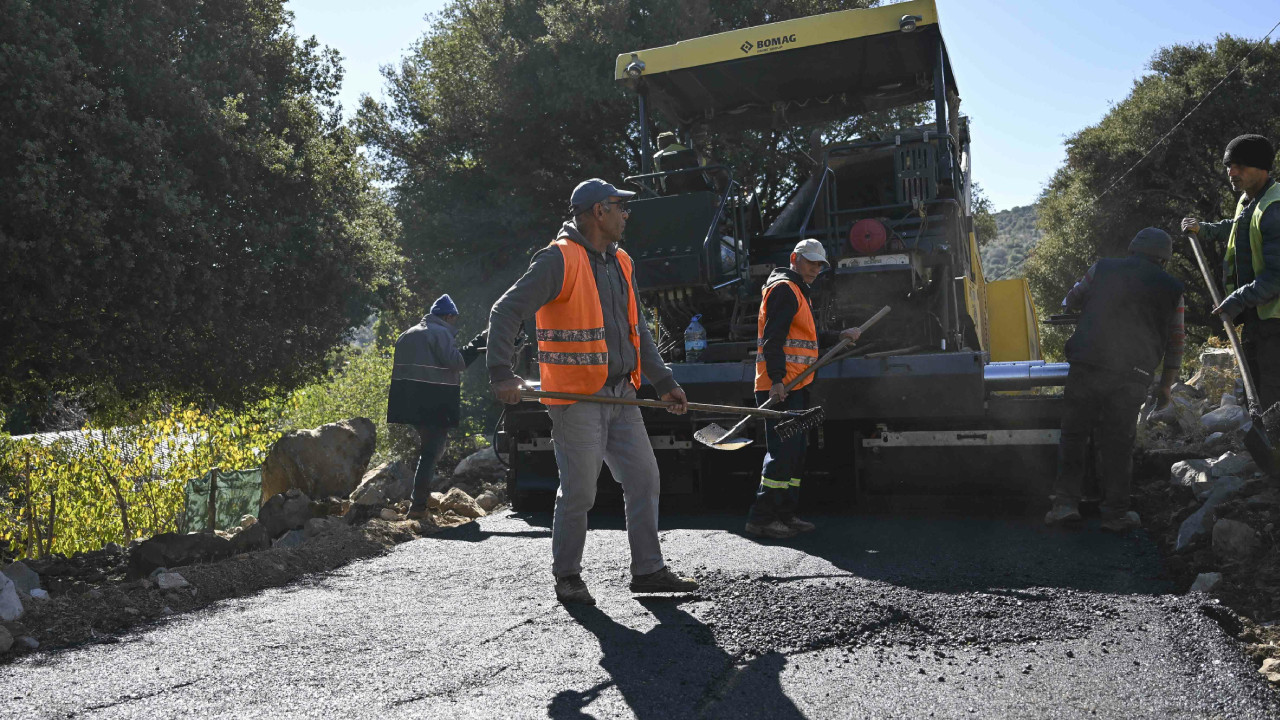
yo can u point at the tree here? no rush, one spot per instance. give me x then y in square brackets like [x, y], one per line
[1083, 217]
[504, 104]
[181, 207]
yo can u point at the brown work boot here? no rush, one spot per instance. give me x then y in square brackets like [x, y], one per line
[662, 581]
[1063, 512]
[1122, 523]
[571, 589]
[776, 529]
[800, 526]
[418, 513]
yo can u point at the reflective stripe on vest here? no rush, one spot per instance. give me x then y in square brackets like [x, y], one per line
[431, 374]
[572, 354]
[1266, 310]
[801, 346]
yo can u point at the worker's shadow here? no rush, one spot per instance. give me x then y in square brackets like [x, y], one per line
[675, 669]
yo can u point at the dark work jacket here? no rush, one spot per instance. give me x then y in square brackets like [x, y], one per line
[1124, 325]
[779, 311]
[427, 374]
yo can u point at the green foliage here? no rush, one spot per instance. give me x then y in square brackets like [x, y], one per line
[181, 206]
[1016, 238]
[1183, 176]
[504, 105]
[113, 484]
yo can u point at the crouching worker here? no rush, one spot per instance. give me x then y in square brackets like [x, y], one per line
[787, 345]
[592, 340]
[425, 386]
[1131, 317]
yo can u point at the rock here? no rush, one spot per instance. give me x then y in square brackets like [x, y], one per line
[1270, 668]
[286, 511]
[248, 520]
[1230, 464]
[1201, 521]
[1206, 582]
[1189, 473]
[460, 503]
[39, 594]
[488, 501]
[1224, 419]
[327, 461]
[6, 640]
[158, 572]
[24, 578]
[481, 466]
[1184, 413]
[29, 642]
[1217, 357]
[293, 538]
[322, 526]
[10, 605]
[173, 550]
[252, 538]
[1214, 440]
[384, 485]
[434, 500]
[1186, 390]
[171, 581]
[1234, 540]
[389, 515]
[1228, 399]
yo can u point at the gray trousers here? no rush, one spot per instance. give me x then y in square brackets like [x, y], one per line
[585, 435]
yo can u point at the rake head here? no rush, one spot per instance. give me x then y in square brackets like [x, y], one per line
[801, 422]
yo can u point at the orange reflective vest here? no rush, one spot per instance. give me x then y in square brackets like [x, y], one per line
[572, 354]
[801, 346]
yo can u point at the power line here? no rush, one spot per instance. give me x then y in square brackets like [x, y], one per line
[1157, 143]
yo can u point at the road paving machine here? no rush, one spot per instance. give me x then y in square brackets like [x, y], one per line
[947, 396]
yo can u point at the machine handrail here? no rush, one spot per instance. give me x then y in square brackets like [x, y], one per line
[817, 195]
[708, 275]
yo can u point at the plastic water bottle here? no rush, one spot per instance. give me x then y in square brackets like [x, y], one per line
[695, 340]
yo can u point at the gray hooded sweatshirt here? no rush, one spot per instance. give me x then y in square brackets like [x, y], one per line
[542, 283]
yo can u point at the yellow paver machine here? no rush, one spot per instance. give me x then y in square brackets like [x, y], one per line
[948, 394]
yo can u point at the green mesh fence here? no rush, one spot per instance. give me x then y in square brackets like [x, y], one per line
[235, 493]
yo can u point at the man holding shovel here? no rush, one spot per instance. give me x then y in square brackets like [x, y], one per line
[1251, 268]
[591, 341]
[787, 344]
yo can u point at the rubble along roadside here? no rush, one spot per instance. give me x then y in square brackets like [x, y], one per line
[1211, 510]
[57, 601]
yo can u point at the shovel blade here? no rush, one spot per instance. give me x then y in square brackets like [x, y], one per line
[714, 437]
[1261, 446]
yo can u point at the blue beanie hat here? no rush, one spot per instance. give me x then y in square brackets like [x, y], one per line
[444, 306]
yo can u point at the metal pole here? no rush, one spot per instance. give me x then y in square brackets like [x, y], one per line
[642, 92]
[940, 114]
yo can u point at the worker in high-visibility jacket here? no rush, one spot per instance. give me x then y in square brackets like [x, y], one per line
[1251, 264]
[591, 341]
[787, 344]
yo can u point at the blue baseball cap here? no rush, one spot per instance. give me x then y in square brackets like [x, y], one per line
[590, 192]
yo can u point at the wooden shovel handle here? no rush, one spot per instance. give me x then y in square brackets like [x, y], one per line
[832, 353]
[662, 404]
[1250, 390]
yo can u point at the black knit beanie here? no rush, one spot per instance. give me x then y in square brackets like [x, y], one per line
[1252, 150]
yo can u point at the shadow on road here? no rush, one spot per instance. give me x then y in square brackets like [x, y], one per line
[675, 669]
[948, 553]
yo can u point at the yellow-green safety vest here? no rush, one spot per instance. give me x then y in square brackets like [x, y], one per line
[1266, 310]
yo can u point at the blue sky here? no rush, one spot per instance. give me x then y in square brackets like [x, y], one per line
[1030, 72]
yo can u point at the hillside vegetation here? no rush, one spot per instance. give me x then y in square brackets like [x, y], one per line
[1016, 236]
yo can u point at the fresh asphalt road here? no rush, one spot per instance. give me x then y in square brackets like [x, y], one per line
[870, 616]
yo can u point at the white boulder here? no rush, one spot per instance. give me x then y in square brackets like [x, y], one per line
[10, 604]
[1224, 419]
